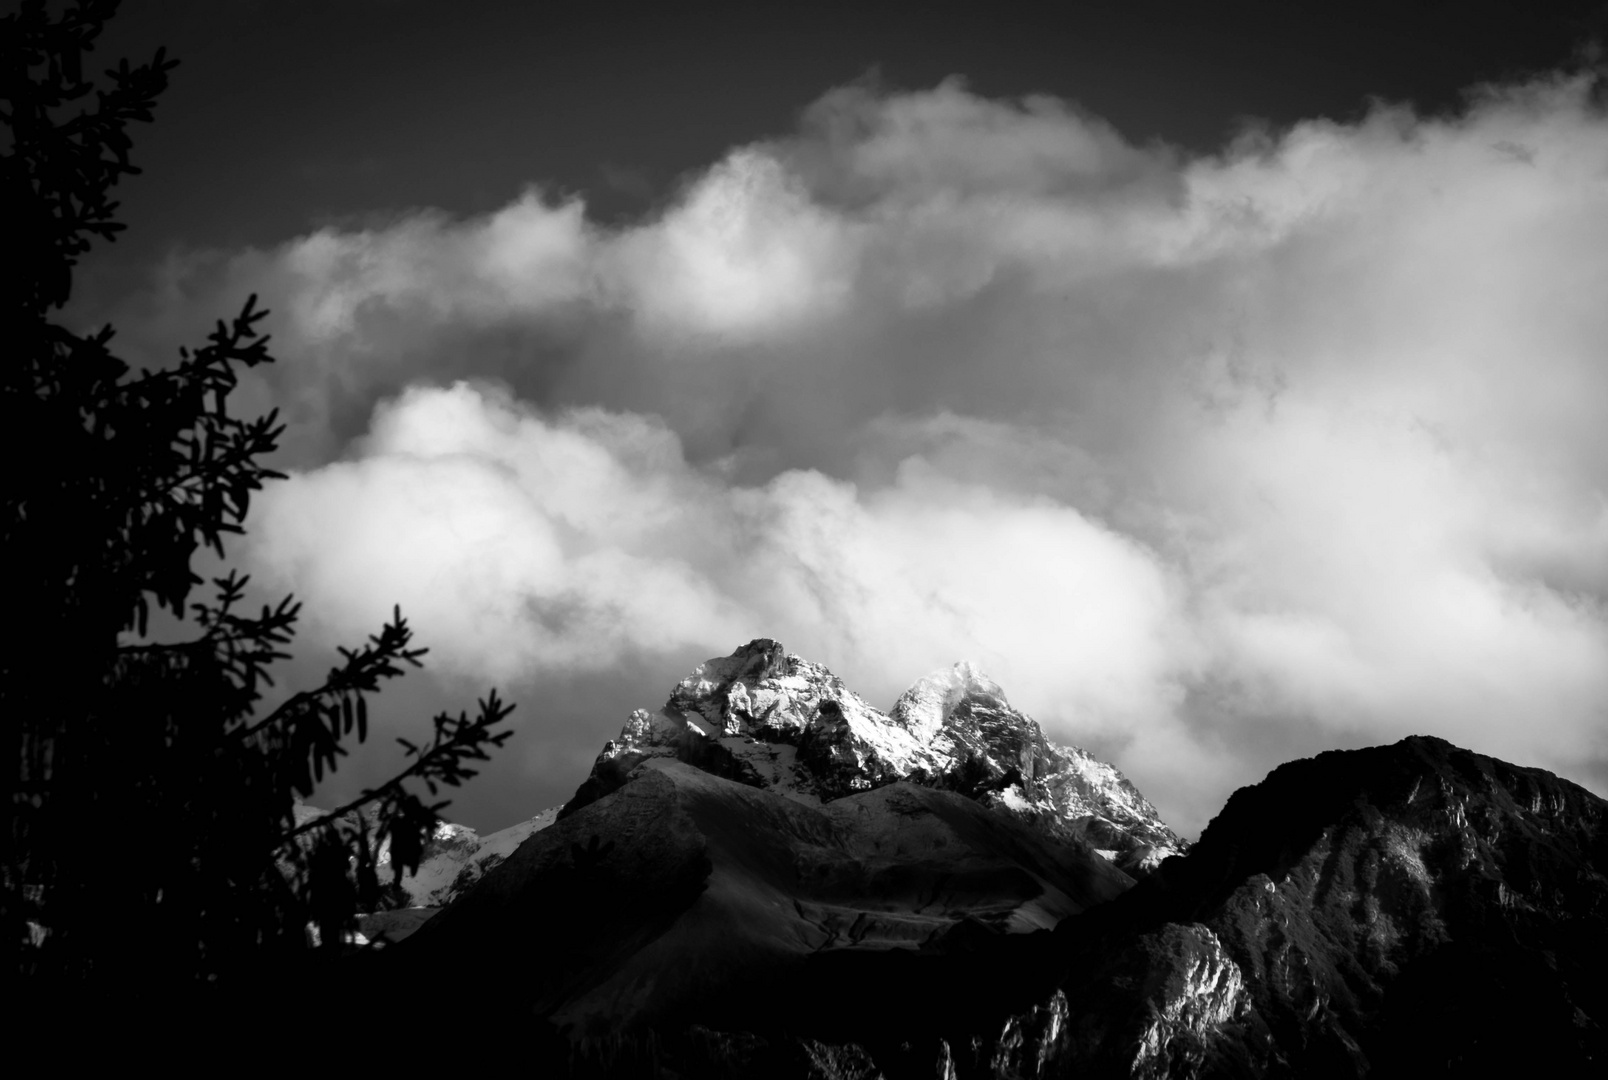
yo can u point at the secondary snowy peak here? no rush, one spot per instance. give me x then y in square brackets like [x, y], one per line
[454, 858]
[768, 718]
[923, 709]
[1000, 756]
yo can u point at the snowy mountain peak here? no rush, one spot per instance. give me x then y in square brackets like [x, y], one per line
[706, 690]
[923, 709]
[770, 719]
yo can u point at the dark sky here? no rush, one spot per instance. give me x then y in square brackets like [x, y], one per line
[1258, 626]
[287, 114]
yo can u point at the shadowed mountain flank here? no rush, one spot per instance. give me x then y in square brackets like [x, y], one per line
[1410, 910]
[660, 904]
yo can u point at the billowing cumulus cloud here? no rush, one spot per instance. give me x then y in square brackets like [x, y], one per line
[535, 545]
[1211, 461]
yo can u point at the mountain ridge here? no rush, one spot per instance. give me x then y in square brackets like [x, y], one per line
[768, 878]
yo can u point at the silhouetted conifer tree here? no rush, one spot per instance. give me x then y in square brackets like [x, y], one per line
[151, 835]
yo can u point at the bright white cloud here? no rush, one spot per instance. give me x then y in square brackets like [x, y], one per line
[1211, 460]
[745, 253]
[536, 545]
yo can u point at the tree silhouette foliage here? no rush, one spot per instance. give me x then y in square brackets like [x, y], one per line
[152, 829]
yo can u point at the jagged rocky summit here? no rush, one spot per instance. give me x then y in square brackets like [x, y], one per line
[772, 720]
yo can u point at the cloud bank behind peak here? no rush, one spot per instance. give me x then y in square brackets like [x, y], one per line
[1209, 460]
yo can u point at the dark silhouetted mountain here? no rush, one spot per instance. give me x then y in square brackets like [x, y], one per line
[712, 904]
[1405, 910]
[665, 902]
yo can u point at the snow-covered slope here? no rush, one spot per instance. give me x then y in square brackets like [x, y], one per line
[770, 719]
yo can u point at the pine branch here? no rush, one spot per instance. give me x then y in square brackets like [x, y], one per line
[456, 741]
[361, 674]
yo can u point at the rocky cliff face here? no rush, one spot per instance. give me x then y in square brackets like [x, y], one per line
[1001, 756]
[769, 719]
